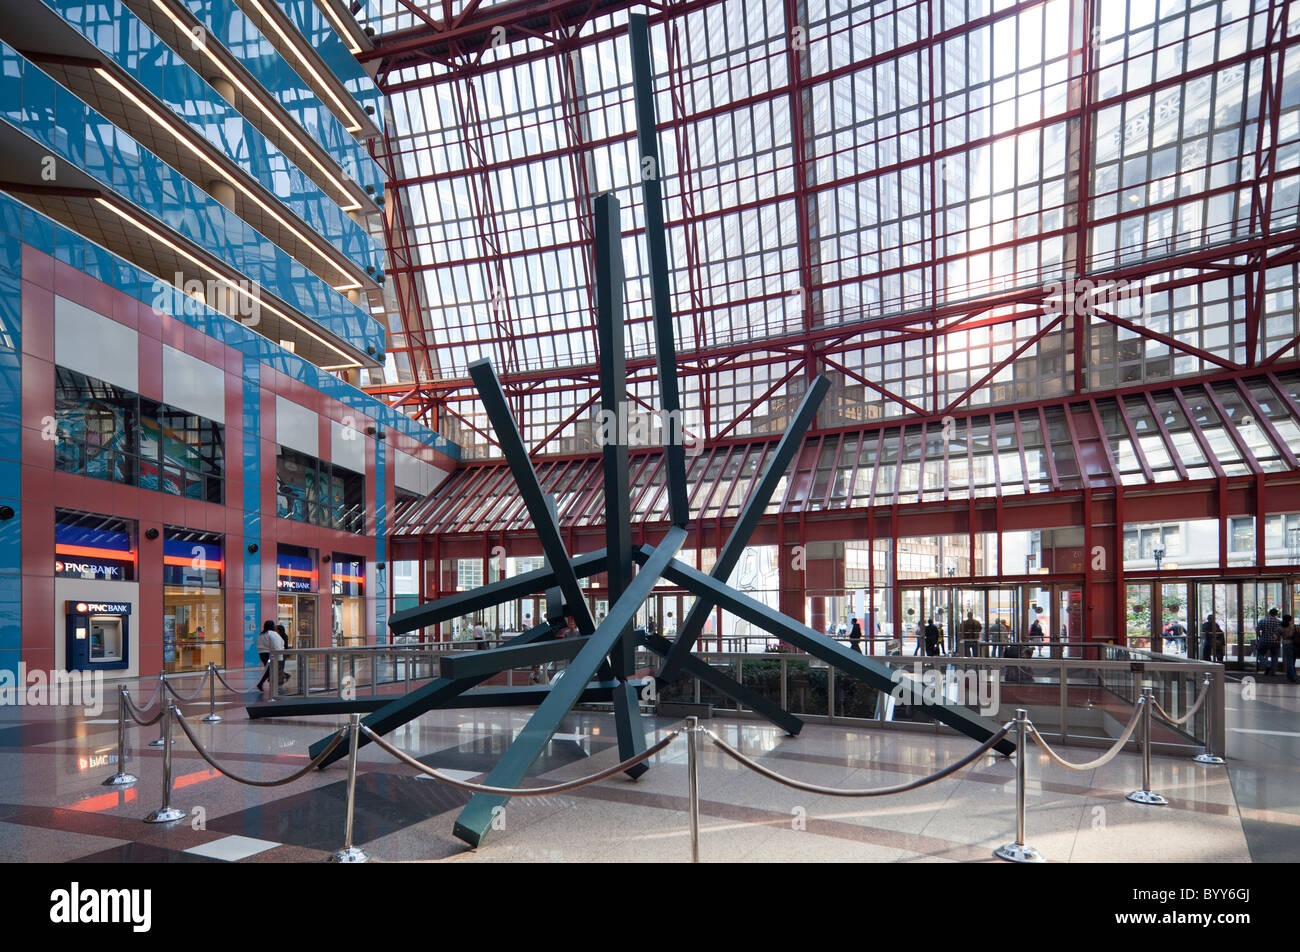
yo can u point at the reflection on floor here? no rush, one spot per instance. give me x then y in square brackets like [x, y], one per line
[53, 808]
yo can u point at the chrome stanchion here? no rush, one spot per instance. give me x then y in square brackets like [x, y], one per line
[213, 716]
[162, 694]
[693, 784]
[166, 813]
[121, 778]
[349, 853]
[1207, 757]
[1145, 796]
[1019, 852]
[274, 662]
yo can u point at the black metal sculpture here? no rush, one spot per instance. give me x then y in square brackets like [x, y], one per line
[601, 658]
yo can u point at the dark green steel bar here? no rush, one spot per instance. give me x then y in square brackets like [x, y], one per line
[614, 456]
[465, 603]
[408, 707]
[679, 509]
[726, 685]
[476, 819]
[474, 663]
[544, 524]
[878, 675]
[755, 506]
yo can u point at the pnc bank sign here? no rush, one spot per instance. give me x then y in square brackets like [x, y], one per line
[103, 570]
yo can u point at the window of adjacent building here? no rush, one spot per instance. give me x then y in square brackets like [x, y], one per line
[107, 432]
[193, 599]
[313, 491]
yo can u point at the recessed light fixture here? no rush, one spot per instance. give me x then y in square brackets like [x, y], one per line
[161, 239]
[275, 120]
[215, 166]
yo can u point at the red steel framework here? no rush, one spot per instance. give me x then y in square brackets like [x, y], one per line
[447, 49]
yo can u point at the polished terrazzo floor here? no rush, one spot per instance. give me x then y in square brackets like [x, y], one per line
[54, 808]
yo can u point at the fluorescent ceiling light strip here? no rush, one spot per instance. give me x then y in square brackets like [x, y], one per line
[344, 33]
[269, 114]
[325, 87]
[216, 167]
[164, 240]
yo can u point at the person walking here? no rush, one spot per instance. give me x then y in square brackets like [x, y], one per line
[1212, 641]
[267, 641]
[970, 635]
[1287, 634]
[855, 636]
[1266, 641]
[284, 636]
[932, 638]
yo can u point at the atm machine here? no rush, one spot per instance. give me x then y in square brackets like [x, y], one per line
[98, 636]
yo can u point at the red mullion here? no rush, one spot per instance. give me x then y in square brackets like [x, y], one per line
[490, 504]
[995, 370]
[423, 511]
[450, 514]
[902, 401]
[649, 483]
[835, 466]
[1170, 446]
[1105, 443]
[583, 480]
[1234, 434]
[1201, 441]
[537, 448]
[1135, 441]
[875, 467]
[1261, 199]
[703, 471]
[1083, 179]
[899, 459]
[722, 475]
[1020, 443]
[997, 465]
[1266, 422]
[585, 503]
[793, 480]
[1168, 341]
[755, 404]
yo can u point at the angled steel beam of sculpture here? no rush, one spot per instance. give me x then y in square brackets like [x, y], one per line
[472, 663]
[728, 686]
[755, 506]
[409, 706]
[879, 676]
[544, 522]
[476, 819]
[679, 509]
[614, 453]
[507, 589]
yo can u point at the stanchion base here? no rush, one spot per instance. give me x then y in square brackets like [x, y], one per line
[1017, 853]
[349, 855]
[166, 815]
[158, 742]
[120, 780]
[211, 718]
[1147, 797]
[1209, 759]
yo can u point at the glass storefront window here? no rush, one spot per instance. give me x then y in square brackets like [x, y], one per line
[193, 600]
[347, 590]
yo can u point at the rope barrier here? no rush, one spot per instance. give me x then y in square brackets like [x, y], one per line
[1104, 758]
[871, 792]
[410, 761]
[186, 699]
[198, 747]
[231, 687]
[1191, 711]
[156, 689]
[131, 709]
